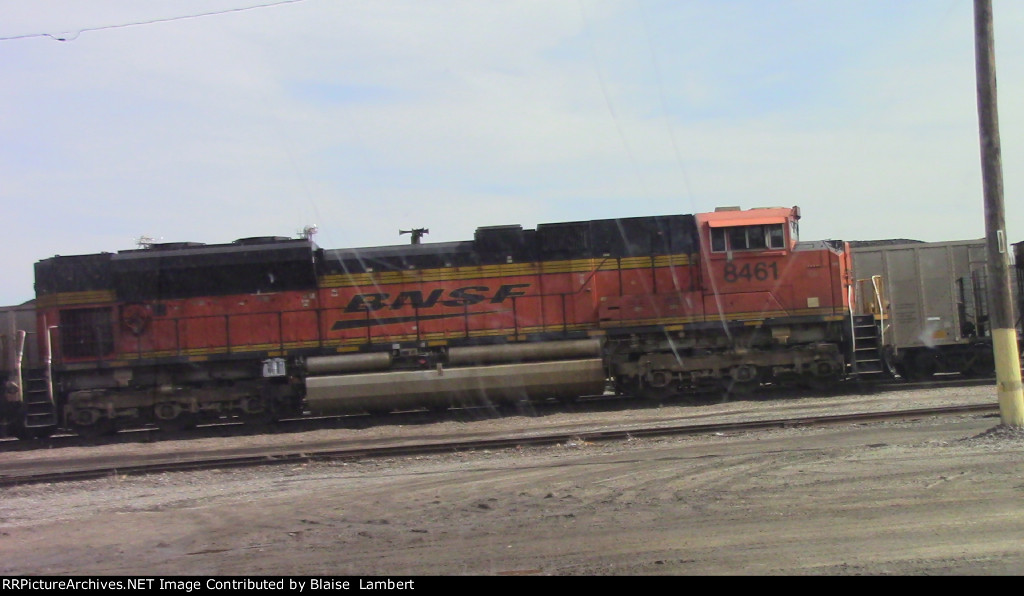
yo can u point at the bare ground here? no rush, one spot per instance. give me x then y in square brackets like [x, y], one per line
[931, 496]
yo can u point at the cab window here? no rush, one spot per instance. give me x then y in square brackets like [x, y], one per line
[760, 237]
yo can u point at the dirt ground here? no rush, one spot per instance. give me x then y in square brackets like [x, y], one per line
[929, 496]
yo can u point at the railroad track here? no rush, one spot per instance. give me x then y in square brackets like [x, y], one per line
[605, 402]
[205, 461]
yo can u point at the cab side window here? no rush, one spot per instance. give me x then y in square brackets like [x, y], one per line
[761, 237]
[717, 240]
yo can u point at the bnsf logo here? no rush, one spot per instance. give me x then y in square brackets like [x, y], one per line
[459, 297]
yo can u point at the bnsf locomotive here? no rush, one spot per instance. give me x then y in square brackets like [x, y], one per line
[270, 327]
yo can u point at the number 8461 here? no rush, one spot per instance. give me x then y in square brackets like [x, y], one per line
[748, 272]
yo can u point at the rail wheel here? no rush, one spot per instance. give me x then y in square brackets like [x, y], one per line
[438, 409]
[90, 423]
[181, 422]
[981, 364]
[922, 367]
[657, 386]
[740, 381]
[626, 385]
[732, 388]
[821, 383]
[980, 369]
[259, 410]
[265, 417]
[103, 427]
[656, 393]
[171, 417]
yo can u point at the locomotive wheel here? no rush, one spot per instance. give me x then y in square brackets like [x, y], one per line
[624, 385]
[101, 428]
[264, 418]
[823, 383]
[656, 393]
[740, 388]
[259, 410]
[183, 421]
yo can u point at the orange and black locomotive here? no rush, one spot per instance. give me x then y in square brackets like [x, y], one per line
[271, 327]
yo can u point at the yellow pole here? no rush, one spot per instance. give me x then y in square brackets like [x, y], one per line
[1004, 335]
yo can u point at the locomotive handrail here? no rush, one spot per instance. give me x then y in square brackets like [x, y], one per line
[851, 300]
[229, 347]
[19, 353]
[48, 344]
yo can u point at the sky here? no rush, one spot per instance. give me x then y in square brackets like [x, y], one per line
[214, 120]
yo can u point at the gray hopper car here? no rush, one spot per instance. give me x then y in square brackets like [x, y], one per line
[934, 298]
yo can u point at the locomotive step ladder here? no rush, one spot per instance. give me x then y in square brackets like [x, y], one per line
[867, 348]
[40, 411]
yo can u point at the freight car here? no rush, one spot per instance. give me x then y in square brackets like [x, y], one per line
[270, 327]
[936, 304]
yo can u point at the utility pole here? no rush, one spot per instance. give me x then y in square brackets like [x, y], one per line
[1004, 335]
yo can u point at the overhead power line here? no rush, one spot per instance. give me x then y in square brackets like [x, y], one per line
[77, 32]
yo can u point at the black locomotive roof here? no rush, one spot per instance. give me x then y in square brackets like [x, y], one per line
[428, 248]
[396, 257]
[274, 263]
[249, 265]
[76, 273]
[600, 238]
[186, 269]
[191, 255]
[621, 237]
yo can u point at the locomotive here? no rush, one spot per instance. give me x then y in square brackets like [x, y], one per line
[259, 329]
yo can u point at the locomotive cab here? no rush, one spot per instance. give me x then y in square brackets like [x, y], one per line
[756, 266]
[733, 230]
[775, 292]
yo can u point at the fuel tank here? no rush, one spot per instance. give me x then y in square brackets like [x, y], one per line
[474, 376]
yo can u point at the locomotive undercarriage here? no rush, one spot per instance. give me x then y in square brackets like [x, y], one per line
[175, 398]
[654, 364]
[659, 366]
